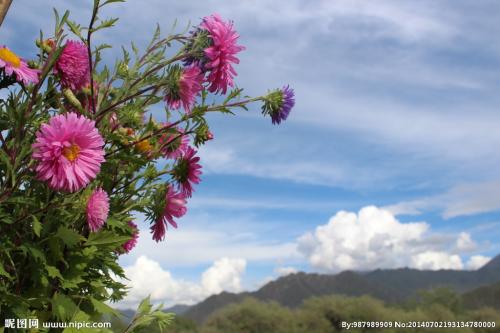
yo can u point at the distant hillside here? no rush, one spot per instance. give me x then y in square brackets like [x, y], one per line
[487, 296]
[391, 286]
[178, 309]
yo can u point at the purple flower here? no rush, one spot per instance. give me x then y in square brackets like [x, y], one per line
[278, 104]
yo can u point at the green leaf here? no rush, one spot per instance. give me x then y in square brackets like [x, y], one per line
[53, 272]
[81, 317]
[75, 28]
[106, 24]
[3, 272]
[105, 237]
[37, 226]
[35, 252]
[69, 236]
[103, 308]
[145, 306]
[69, 283]
[233, 94]
[110, 1]
[63, 307]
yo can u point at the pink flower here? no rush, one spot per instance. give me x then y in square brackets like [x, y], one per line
[188, 87]
[187, 172]
[12, 64]
[175, 206]
[173, 143]
[97, 209]
[73, 66]
[130, 244]
[114, 123]
[222, 53]
[69, 150]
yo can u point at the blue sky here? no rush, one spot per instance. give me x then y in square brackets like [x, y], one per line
[396, 122]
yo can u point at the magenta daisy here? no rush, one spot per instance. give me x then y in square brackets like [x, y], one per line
[175, 206]
[173, 143]
[97, 209]
[73, 66]
[14, 65]
[221, 54]
[186, 87]
[130, 244]
[69, 151]
[187, 172]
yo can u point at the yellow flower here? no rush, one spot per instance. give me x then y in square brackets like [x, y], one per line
[144, 146]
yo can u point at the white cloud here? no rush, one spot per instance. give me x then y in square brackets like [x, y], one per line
[374, 238]
[472, 198]
[177, 250]
[147, 277]
[221, 159]
[225, 274]
[436, 260]
[461, 200]
[476, 262]
[215, 202]
[284, 271]
[465, 242]
[215, 235]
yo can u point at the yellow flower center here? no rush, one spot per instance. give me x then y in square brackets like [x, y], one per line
[10, 57]
[144, 146]
[71, 153]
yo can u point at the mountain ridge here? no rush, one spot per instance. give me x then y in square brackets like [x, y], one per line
[389, 285]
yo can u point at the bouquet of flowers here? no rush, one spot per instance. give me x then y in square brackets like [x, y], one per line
[81, 153]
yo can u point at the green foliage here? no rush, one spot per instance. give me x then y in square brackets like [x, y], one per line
[326, 315]
[149, 318]
[442, 296]
[251, 316]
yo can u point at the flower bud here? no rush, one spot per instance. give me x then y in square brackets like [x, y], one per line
[122, 70]
[47, 45]
[71, 98]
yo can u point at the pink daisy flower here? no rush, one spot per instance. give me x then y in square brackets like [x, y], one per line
[73, 66]
[175, 206]
[188, 88]
[97, 209]
[221, 54]
[130, 244]
[69, 150]
[14, 65]
[173, 144]
[187, 172]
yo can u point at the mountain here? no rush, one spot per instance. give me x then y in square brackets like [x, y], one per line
[487, 296]
[389, 285]
[202, 310]
[178, 309]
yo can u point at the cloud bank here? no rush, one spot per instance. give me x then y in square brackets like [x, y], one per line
[147, 277]
[374, 238]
